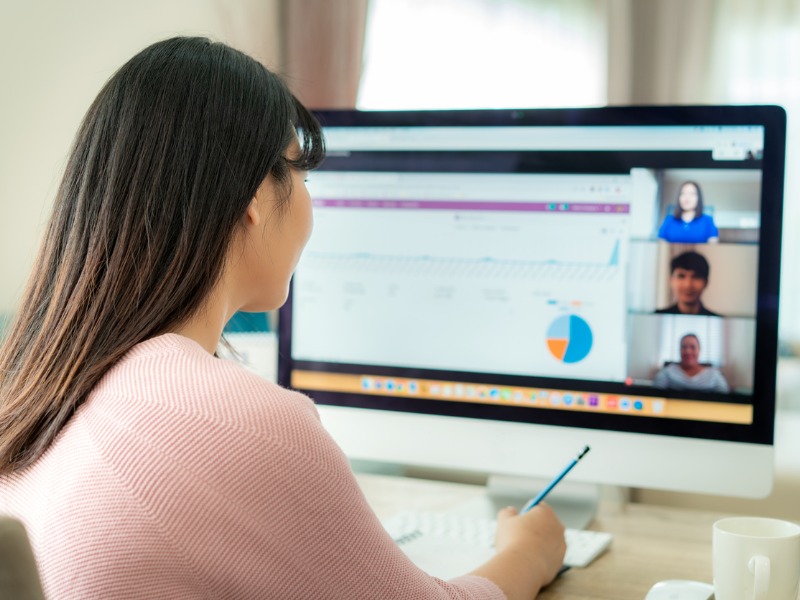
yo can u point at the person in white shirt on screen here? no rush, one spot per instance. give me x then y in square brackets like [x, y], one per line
[689, 374]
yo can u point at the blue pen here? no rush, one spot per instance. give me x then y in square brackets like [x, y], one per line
[540, 496]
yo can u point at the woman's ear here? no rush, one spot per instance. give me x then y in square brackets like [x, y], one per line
[252, 214]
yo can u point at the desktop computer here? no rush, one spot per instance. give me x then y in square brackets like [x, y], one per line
[493, 290]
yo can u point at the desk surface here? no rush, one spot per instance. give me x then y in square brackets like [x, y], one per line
[650, 543]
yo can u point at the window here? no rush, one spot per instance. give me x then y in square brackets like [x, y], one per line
[483, 54]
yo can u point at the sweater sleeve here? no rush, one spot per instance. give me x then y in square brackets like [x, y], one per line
[260, 502]
[341, 540]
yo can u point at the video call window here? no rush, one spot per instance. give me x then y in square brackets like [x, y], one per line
[694, 274]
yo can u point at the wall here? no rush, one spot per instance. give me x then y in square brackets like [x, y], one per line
[56, 56]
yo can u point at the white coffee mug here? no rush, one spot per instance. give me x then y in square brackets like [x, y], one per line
[756, 558]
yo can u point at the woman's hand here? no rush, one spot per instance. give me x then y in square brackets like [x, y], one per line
[538, 534]
[530, 551]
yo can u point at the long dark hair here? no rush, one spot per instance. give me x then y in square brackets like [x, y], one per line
[678, 212]
[164, 165]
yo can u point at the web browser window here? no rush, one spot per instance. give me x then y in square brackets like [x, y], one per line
[547, 268]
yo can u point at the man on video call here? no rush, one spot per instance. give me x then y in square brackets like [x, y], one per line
[688, 278]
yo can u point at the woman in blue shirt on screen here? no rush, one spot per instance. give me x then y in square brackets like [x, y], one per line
[688, 224]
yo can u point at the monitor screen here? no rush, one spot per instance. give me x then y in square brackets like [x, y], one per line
[487, 284]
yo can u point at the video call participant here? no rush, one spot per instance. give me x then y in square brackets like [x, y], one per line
[688, 224]
[688, 278]
[689, 374]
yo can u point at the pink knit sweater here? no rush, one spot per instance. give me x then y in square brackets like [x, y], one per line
[184, 476]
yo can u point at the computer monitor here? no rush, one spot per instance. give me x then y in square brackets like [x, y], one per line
[491, 290]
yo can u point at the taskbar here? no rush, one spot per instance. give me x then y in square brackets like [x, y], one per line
[552, 399]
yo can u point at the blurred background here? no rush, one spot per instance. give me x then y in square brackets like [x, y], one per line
[394, 54]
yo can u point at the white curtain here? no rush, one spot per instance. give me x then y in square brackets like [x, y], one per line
[658, 52]
[323, 50]
[317, 45]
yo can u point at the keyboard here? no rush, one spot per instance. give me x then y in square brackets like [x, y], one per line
[413, 530]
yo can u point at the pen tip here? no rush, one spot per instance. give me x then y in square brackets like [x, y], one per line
[584, 451]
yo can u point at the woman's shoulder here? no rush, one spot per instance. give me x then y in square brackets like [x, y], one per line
[668, 373]
[173, 377]
[669, 219]
[668, 225]
[713, 373]
[674, 370]
[705, 218]
[707, 224]
[169, 409]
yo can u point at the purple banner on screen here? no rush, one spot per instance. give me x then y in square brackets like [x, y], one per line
[566, 207]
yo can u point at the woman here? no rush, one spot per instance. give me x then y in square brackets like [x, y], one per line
[689, 374]
[688, 224]
[142, 465]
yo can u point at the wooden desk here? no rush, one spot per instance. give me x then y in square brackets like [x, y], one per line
[650, 543]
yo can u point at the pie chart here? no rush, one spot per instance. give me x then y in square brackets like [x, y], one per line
[569, 339]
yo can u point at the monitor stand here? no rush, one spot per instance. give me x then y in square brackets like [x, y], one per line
[574, 503]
